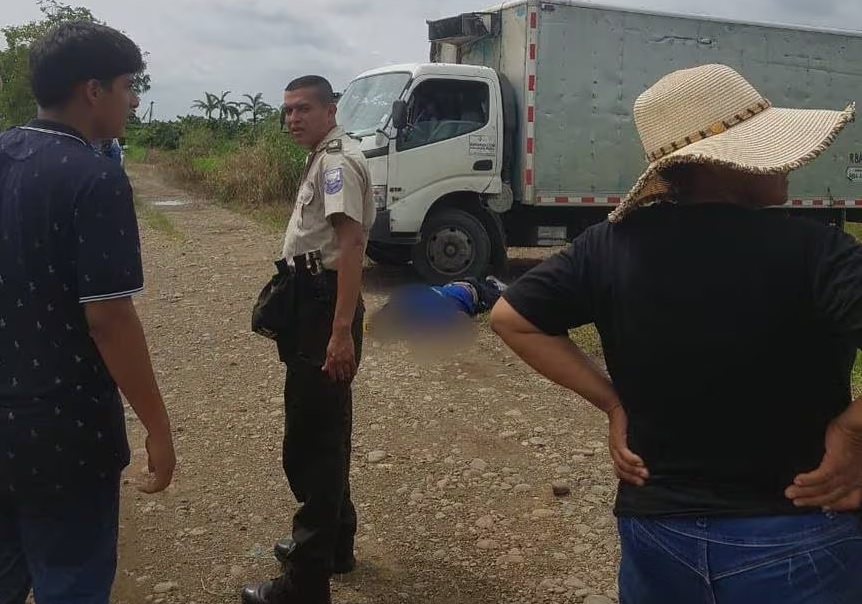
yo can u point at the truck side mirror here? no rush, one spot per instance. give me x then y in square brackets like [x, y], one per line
[399, 114]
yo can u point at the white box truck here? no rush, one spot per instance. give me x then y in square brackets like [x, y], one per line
[519, 131]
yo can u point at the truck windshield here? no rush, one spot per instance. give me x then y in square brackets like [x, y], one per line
[367, 102]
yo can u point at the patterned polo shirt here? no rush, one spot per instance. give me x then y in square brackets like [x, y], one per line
[68, 237]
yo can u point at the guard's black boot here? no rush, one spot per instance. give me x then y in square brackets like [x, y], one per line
[267, 592]
[294, 587]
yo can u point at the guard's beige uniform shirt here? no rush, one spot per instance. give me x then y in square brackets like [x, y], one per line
[336, 181]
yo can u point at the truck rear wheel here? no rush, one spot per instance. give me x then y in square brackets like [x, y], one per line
[454, 245]
[388, 254]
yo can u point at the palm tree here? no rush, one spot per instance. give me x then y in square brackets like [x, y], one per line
[256, 107]
[232, 110]
[223, 106]
[209, 104]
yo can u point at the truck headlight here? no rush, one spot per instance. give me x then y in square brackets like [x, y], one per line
[379, 194]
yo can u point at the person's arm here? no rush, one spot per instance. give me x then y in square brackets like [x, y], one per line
[345, 182]
[555, 357]
[109, 272]
[561, 361]
[837, 287]
[119, 337]
[534, 316]
[341, 356]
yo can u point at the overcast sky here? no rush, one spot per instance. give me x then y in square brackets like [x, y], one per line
[250, 46]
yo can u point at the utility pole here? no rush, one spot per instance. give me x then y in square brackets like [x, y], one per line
[151, 112]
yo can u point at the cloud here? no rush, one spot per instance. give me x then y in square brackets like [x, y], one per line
[259, 45]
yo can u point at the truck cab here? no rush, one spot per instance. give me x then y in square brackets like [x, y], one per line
[434, 137]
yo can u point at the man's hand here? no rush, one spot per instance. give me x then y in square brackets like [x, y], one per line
[837, 484]
[627, 466]
[340, 356]
[117, 332]
[161, 462]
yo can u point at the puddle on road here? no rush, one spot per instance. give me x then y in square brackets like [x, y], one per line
[170, 203]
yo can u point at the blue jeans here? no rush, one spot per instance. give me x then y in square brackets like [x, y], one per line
[812, 559]
[64, 547]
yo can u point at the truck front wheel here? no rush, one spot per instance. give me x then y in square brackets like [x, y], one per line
[454, 245]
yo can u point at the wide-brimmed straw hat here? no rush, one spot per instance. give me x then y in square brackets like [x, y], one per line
[712, 115]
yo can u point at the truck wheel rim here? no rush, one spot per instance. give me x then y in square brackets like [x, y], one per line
[450, 251]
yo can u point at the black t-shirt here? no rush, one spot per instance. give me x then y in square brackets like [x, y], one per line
[68, 236]
[730, 336]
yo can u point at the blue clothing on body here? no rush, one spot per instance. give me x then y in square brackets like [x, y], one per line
[63, 548]
[459, 294]
[424, 306]
[111, 149]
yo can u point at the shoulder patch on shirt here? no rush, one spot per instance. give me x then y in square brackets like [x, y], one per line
[333, 181]
[334, 146]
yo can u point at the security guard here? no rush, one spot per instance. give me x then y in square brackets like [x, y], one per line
[325, 244]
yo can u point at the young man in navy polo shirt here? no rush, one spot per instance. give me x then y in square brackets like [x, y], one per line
[69, 334]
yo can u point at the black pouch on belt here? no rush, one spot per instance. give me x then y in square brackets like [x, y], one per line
[274, 313]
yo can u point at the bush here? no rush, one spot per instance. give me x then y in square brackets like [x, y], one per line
[157, 135]
[136, 153]
[199, 141]
[169, 136]
[208, 164]
[254, 167]
[263, 173]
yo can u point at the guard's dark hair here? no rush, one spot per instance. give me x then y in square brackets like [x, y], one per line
[321, 86]
[75, 52]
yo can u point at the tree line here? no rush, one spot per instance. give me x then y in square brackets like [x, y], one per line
[216, 107]
[17, 105]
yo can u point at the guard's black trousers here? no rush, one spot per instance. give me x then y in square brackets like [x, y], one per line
[317, 432]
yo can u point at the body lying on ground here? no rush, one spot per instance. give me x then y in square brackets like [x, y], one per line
[419, 309]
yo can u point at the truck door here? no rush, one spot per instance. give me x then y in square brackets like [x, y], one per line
[450, 145]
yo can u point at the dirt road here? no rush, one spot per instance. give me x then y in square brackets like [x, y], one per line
[459, 510]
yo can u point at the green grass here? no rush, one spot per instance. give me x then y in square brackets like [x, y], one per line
[256, 176]
[587, 339]
[158, 221]
[856, 376]
[855, 229]
[209, 163]
[137, 154]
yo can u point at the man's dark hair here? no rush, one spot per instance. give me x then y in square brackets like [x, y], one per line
[321, 86]
[75, 52]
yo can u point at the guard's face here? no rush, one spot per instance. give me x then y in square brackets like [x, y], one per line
[307, 118]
